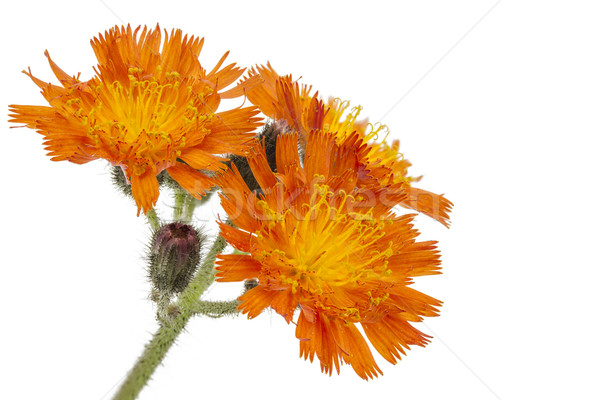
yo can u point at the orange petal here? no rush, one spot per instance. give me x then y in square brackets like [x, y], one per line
[227, 76]
[236, 268]
[199, 159]
[29, 115]
[263, 94]
[196, 183]
[62, 76]
[241, 89]
[417, 259]
[434, 205]
[231, 131]
[318, 149]
[318, 338]
[257, 159]
[392, 335]
[236, 237]
[414, 302]
[145, 190]
[285, 303]
[236, 199]
[354, 349]
[255, 301]
[287, 152]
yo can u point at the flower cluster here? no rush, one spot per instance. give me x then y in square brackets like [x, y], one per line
[311, 202]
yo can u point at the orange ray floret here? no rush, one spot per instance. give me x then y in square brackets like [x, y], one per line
[151, 106]
[312, 241]
[281, 97]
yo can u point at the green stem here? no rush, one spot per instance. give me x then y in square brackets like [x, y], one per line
[162, 307]
[180, 196]
[188, 208]
[153, 219]
[217, 309]
[165, 336]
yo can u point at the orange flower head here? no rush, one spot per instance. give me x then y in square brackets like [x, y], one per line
[151, 106]
[281, 97]
[314, 239]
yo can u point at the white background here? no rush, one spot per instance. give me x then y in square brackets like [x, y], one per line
[506, 123]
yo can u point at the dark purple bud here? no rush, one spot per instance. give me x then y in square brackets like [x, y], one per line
[174, 256]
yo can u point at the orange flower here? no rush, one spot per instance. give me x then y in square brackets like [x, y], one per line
[314, 239]
[148, 108]
[280, 97]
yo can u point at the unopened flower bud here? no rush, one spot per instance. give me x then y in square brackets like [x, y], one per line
[250, 284]
[174, 256]
[120, 181]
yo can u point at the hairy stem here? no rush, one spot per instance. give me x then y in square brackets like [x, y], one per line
[189, 206]
[167, 333]
[217, 309]
[180, 196]
[162, 307]
[153, 219]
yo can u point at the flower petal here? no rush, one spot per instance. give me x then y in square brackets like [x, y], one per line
[195, 182]
[392, 335]
[254, 301]
[144, 189]
[236, 268]
[200, 159]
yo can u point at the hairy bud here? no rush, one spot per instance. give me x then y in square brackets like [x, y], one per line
[174, 255]
[120, 181]
[250, 284]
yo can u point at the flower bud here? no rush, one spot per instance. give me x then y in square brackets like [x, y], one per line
[120, 181]
[250, 284]
[174, 255]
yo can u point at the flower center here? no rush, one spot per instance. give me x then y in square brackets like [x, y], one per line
[143, 121]
[326, 247]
